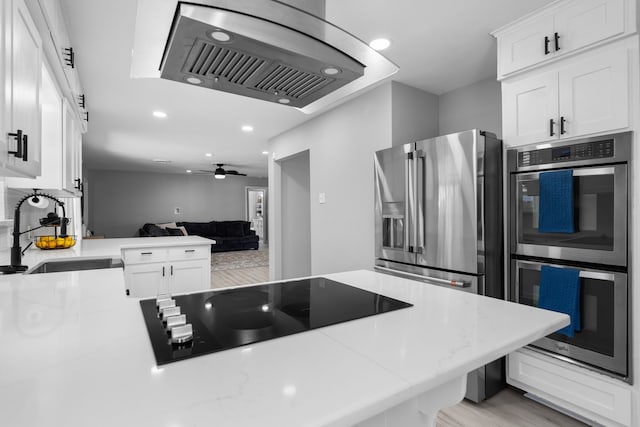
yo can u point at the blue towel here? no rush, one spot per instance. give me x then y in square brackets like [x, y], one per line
[556, 202]
[560, 291]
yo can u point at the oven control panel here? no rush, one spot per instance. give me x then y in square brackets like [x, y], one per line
[567, 153]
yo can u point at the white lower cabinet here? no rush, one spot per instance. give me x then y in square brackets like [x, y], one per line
[588, 394]
[152, 271]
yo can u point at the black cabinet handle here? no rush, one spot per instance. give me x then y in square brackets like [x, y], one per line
[18, 137]
[162, 271]
[77, 181]
[146, 253]
[189, 250]
[556, 37]
[551, 125]
[69, 57]
[172, 270]
[562, 122]
[25, 148]
[546, 45]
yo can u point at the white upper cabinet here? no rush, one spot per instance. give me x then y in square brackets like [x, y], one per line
[20, 140]
[60, 134]
[561, 28]
[582, 97]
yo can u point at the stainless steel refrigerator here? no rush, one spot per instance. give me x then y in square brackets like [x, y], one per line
[438, 219]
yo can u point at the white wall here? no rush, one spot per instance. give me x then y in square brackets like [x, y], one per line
[295, 214]
[341, 143]
[121, 202]
[414, 114]
[477, 106]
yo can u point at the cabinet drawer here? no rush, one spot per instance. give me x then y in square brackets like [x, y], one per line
[588, 394]
[180, 253]
[141, 255]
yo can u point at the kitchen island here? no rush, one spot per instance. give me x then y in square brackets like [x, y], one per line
[76, 353]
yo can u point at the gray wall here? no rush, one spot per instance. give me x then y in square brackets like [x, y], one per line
[341, 143]
[414, 114]
[296, 215]
[121, 202]
[475, 106]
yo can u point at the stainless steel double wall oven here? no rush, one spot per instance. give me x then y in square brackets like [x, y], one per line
[598, 247]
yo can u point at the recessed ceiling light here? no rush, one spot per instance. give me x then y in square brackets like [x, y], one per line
[247, 128]
[188, 170]
[194, 80]
[283, 101]
[220, 36]
[208, 154]
[265, 152]
[380, 44]
[159, 114]
[162, 161]
[331, 71]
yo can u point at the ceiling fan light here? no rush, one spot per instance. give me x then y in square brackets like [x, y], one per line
[220, 173]
[218, 176]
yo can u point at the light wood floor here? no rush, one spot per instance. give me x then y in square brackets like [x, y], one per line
[239, 276]
[508, 408]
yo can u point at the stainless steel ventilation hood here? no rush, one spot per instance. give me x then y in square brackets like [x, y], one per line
[262, 49]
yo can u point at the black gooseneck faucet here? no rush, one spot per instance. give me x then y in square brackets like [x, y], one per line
[16, 251]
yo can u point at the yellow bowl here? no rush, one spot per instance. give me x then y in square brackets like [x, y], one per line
[53, 242]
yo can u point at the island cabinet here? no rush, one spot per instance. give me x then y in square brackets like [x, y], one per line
[20, 123]
[575, 98]
[151, 271]
[560, 29]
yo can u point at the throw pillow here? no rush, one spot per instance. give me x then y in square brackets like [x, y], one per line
[184, 231]
[167, 224]
[156, 231]
[174, 231]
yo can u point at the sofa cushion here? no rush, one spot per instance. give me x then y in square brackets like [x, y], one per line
[198, 228]
[230, 228]
[174, 231]
[154, 231]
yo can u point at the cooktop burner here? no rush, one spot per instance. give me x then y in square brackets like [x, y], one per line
[192, 325]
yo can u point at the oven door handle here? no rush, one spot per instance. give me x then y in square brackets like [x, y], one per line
[456, 283]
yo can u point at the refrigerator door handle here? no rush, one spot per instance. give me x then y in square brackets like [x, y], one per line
[419, 183]
[456, 283]
[409, 208]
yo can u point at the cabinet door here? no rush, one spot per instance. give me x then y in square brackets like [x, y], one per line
[146, 280]
[525, 45]
[528, 107]
[584, 22]
[23, 71]
[594, 95]
[70, 149]
[189, 276]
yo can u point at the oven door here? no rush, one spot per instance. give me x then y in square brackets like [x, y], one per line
[602, 343]
[600, 217]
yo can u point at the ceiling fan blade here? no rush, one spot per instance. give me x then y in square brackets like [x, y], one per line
[206, 171]
[236, 173]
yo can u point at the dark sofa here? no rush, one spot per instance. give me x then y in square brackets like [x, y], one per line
[229, 235]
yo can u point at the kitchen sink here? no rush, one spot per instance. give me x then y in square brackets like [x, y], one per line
[76, 264]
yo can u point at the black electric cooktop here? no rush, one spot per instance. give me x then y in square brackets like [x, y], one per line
[221, 320]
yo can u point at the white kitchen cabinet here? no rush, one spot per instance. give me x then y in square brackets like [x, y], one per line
[589, 394]
[158, 270]
[560, 29]
[581, 97]
[22, 56]
[60, 136]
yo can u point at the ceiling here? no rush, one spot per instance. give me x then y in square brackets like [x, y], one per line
[438, 45]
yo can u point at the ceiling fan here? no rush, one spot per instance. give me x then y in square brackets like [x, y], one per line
[221, 173]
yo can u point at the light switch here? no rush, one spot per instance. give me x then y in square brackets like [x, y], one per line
[322, 198]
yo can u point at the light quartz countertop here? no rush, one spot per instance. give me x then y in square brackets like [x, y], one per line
[101, 248]
[75, 353]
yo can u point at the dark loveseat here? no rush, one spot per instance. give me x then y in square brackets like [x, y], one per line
[229, 235]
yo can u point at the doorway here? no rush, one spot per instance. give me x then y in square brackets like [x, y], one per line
[256, 211]
[294, 220]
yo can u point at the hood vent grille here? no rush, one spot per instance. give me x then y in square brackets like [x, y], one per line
[291, 82]
[232, 52]
[213, 61]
